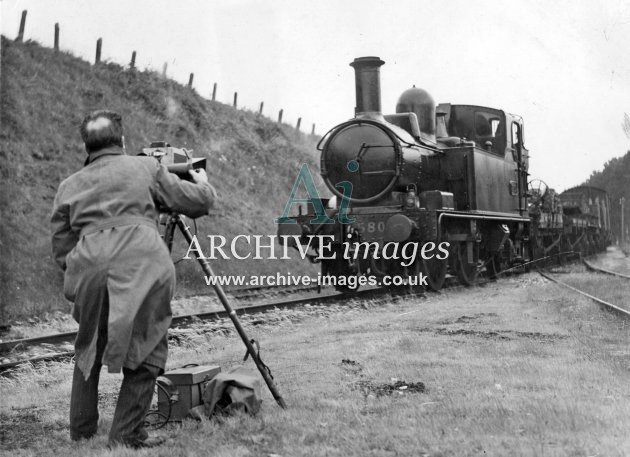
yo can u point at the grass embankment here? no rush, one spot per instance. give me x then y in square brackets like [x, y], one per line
[613, 289]
[614, 259]
[253, 162]
[519, 367]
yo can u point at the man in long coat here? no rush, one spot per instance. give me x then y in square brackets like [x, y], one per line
[118, 272]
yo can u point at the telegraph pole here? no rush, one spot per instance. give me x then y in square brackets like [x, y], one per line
[621, 202]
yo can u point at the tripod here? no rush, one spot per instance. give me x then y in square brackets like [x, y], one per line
[177, 220]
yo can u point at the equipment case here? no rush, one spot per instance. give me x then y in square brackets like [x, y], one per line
[183, 390]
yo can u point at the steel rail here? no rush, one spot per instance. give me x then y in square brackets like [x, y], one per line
[246, 294]
[609, 306]
[56, 338]
[237, 292]
[9, 346]
[57, 356]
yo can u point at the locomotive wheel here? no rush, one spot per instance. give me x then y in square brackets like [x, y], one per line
[435, 271]
[466, 273]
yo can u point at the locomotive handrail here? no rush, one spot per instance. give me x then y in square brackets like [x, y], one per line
[378, 172]
[487, 217]
[320, 149]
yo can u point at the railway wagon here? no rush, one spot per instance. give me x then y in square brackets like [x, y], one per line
[587, 219]
[547, 220]
[577, 220]
[450, 175]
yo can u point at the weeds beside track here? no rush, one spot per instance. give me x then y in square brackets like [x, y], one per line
[608, 306]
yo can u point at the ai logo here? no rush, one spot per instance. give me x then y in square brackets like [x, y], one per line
[322, 218]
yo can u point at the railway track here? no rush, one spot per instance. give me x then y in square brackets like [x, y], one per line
[604, 304]
[10, 348]
[241, 293]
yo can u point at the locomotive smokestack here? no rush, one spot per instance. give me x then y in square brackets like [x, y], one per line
[367, 79]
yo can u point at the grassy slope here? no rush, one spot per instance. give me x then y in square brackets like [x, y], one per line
[252, 161]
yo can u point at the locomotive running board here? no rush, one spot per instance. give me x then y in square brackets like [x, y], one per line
[481, 217]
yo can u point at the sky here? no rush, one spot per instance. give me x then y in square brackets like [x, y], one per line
[564, 66]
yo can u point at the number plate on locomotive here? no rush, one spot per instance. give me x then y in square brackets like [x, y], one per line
[372, 228]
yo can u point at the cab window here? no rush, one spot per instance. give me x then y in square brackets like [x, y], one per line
[494, 124]
[516, 134]
[488, 128]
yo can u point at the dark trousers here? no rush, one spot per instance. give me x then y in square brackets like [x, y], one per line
[133, 402]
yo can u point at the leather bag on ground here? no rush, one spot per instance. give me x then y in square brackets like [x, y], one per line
[236, 390]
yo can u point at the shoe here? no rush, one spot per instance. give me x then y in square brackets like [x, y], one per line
[138, 444]
[82, 437]
[148, 443]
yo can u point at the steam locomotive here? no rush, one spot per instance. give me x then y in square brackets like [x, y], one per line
[453, 176]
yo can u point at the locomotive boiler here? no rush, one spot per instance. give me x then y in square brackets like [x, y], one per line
[453, 176]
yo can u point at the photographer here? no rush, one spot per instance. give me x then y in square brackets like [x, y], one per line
[118, 272]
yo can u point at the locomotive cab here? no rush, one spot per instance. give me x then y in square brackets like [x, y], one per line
[484, 126]
[494, 177]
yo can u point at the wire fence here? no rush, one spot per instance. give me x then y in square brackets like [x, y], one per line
[132, 66]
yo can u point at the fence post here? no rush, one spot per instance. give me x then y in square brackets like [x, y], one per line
[280, 116]
[164, 70]
[261, 108]
[313, 130]
[132, 65]
[99, 44]
[190, 80]
[56, 36]
[214, 92]
[20, 36]
[299, 122]
[235, 98]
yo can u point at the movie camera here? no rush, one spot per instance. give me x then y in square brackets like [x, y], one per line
[177, 160]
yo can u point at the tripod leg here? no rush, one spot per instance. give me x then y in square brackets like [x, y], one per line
[207, 269]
